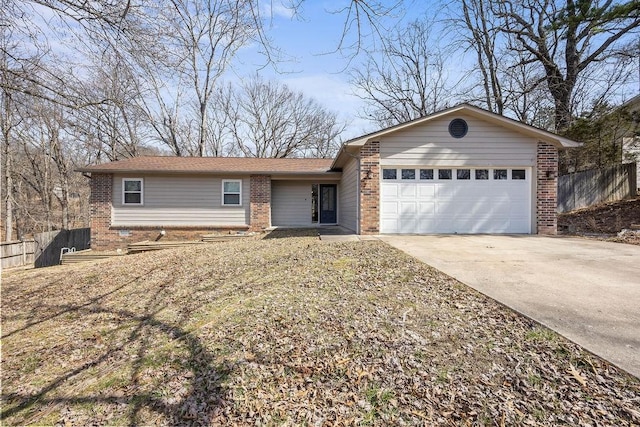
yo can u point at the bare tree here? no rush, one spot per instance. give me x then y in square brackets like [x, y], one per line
[566, 39]
[7, 122]
[114, 128]
[267, 119]
[406, 80]
[208, 33]
[480, 34]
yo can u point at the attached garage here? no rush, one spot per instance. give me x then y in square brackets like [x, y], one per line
[460, 170]
[429, 200]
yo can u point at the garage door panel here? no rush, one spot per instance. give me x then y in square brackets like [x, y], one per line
[390, 208]
[389, 224]
[408, 191]
[444, 189]
[389, 190]
[456, 206]
[407, 225]
[408, 208]
[426, 209]
[426, 190]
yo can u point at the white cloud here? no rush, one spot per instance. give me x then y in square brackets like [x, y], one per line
[336, 95]
[276, 9]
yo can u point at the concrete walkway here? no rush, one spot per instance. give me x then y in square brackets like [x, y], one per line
[587, 290]
[336, 233]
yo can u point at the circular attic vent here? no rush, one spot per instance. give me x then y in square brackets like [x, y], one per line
[458, 128]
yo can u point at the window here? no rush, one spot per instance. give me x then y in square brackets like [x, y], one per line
[426, 173]
[132, 191]
[458, 128]
[389, 174]
[499, 174]
[518, 174]
[444, 173]
[463, 174]
[231, 192]
[482, 174]
[408, 174]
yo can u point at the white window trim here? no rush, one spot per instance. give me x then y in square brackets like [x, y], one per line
[223, 193]
[141, 191]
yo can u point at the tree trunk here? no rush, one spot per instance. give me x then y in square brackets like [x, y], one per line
[8, 202]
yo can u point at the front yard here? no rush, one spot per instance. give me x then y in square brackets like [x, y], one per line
[286, 331]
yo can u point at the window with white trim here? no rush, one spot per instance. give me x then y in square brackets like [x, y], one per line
[444, 173]
[231, 192]
[499, 174]
[463, 174]
[482, 174]
[518, 174]
[426, 173]
[132, 191]
[408, 174]
[389, 173]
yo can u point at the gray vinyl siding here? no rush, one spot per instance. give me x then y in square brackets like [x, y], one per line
[290, 203]
[180, 201]
[485, 144]
[348, 196]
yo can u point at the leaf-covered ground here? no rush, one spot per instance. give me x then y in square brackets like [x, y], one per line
[609, 221]
[286, 331]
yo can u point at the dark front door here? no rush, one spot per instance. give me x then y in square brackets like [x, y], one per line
[328, 204]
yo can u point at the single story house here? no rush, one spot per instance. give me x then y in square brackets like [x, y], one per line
[460, 170]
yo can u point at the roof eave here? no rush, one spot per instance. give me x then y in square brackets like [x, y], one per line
[339, 160]
[213, 172]
[556, 140]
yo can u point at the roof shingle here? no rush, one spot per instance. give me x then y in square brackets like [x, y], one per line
[214, 165]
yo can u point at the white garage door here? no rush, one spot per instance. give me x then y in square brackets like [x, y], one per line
[462, 200]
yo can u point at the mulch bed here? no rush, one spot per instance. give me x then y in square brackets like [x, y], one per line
[287, 330]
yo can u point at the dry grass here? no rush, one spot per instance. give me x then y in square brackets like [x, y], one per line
[286, 331]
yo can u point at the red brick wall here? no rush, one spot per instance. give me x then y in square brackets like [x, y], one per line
[260, 202]
[547, 189]
[370, 188]
[139, 234]
[100, 201]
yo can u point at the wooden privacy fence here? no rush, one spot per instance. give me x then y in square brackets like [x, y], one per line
[587, 188]
[16, 253]
[44, 249]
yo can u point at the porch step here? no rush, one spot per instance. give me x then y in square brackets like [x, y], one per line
[85, 256]
[209, 238]
[148, 245]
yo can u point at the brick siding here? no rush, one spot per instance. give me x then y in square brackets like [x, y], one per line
[547, 189]
[260, 202]
[152, 233]
[100, 200]
[370, 188]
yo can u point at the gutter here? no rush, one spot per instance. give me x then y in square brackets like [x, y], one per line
[213, 172]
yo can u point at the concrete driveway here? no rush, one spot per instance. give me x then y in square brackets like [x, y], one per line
[589, 291]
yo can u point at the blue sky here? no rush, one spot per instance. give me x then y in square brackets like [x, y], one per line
[311, 39]
[309, 42]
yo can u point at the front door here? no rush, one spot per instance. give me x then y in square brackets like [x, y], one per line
[328, 204]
